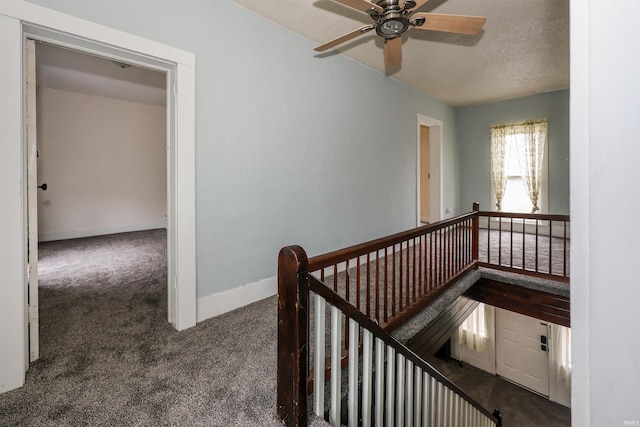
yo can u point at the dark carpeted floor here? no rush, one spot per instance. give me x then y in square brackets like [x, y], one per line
[109, 356]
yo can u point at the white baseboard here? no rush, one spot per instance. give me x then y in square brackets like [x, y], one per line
[90, 232]
[222, 302]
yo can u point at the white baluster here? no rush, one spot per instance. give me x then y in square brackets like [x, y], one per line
[446, 406]
[352, 402]
[367, 373]
[318, 358]
[471, 415]
[417, 400]
[408, 412]
[456, 410]
[390, 395]
[400, 389]
[465, 414]
[432, 402]
[379, 387]
[441, 404]
[336, 389]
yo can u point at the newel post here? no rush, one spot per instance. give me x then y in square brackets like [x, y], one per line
[476, 231]
[498, 415]
[293, 298]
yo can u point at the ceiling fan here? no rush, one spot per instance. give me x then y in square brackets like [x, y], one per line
[393, 17]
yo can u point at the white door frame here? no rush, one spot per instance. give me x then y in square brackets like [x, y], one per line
[19, 20]
[33, 323]
[435, 159]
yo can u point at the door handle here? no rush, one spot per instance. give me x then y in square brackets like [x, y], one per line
[43, 187]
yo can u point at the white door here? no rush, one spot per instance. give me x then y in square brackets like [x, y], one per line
[521, 350]
[32, 202]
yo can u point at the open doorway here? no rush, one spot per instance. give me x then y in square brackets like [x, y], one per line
[425, 176]
[21, 21]
[428, 170]
[101, 138]
[101, 155]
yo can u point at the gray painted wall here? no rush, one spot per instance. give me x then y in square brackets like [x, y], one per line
[473, 143]
[290, 148]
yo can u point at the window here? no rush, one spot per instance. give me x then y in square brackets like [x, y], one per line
[561, 353]
[517, 160]
[474, 332]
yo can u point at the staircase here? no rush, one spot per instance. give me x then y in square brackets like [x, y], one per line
[337, 358]
[386, 383]
[429, 340]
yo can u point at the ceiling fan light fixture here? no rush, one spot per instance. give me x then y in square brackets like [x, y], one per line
[392, 27]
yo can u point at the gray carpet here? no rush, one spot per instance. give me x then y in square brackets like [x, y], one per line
[109, 357]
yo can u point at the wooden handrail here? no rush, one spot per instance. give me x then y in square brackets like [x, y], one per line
[351, 312]
[341, 255]
[541, 217]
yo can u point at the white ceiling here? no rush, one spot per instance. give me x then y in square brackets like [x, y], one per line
[522, 50]
[69, 70]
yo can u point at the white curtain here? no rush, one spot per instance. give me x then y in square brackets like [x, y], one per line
[474, 332]
[561, 352]
[498, 162]
[530, 156]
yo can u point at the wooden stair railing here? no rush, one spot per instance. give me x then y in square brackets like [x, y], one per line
[396, 386]
[388, 280]
[392, 278]
[530, 244]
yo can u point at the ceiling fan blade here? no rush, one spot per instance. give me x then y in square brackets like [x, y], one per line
[418, 3]
[362, 5]
[346, 37]
[450, 23]
[393, 51]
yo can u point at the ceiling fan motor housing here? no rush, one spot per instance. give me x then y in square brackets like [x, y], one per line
[393, 22]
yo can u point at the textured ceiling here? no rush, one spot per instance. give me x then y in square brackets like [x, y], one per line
[522, 50]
